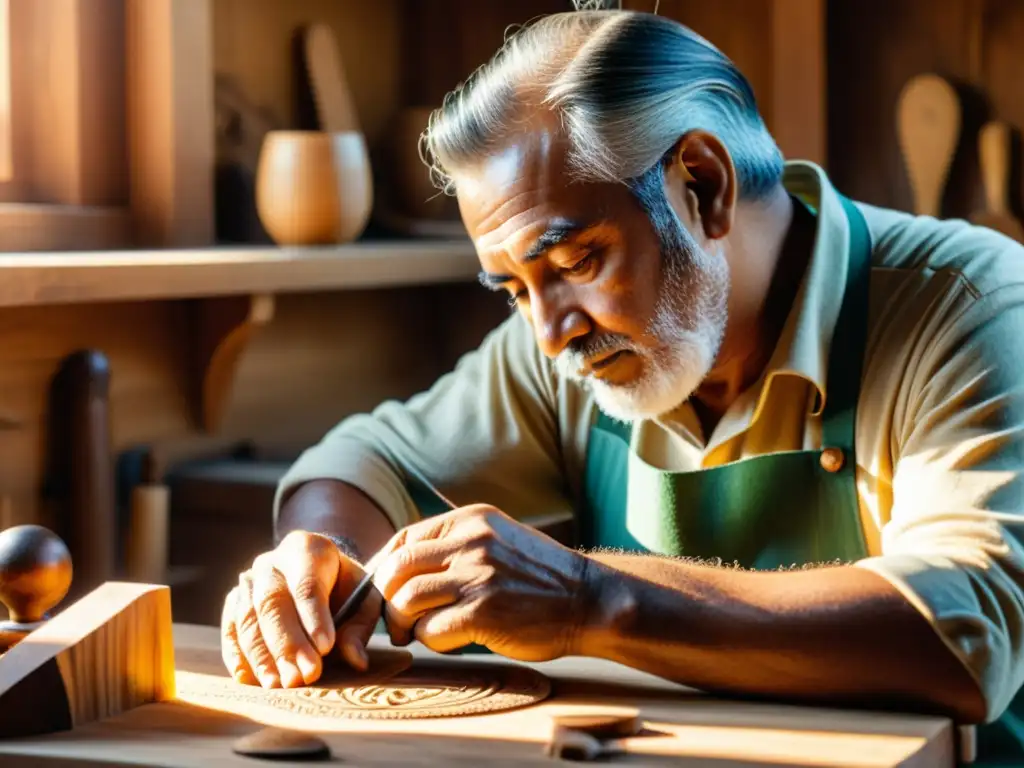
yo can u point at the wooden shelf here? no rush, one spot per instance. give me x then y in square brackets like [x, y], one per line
[32, 279]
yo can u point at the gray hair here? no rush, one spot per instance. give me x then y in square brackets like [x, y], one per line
[625, 86]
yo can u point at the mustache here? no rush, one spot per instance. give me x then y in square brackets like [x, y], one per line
[589, 347]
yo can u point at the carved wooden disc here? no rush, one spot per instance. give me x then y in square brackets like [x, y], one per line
[392, 689]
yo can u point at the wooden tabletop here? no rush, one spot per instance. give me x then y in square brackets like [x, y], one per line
[683, 727]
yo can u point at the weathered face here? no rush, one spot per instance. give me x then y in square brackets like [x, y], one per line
[634, 311]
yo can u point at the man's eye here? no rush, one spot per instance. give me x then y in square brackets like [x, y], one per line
[581, 266]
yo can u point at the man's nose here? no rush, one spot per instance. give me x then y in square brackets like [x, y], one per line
[556, 324]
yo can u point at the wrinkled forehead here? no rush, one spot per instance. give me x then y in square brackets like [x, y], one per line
[525, 186]
[529, 168]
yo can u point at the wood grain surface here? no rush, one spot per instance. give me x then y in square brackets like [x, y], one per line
[681, 727]
[105, 654]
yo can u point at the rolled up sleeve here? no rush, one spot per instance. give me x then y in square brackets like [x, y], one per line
[487, 432]
[953, 544]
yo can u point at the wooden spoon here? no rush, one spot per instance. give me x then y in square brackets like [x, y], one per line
[328, 81]
[928, 125]
[994, 143]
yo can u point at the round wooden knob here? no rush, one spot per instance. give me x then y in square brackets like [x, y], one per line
[35, 572]
[832, 459]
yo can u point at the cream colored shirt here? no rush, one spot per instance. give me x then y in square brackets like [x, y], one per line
[940, 454]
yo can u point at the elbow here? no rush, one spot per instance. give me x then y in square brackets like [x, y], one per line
[965, 703]
[973, 665]
[980, 680]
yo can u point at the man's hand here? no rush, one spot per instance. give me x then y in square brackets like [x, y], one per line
[276, 626]
[475, 575]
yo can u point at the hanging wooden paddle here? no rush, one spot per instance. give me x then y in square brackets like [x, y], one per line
[994, 153]
[929, 119]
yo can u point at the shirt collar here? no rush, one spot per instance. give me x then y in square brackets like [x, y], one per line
[803, 346]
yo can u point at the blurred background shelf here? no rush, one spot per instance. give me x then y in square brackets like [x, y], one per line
[45, 278]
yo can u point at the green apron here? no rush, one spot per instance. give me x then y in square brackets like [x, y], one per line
[765, 512]
[780, 509]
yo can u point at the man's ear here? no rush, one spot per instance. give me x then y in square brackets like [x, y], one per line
[701, 176]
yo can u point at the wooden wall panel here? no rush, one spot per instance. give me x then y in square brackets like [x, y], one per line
[741, 29]
[323, 357]
[78, 102]
[253, 39]
[62, 102]
[443, 41]
[779, 47]
[6, 148]
[796, 105]
[1002, 47]
[170, 119]
[976, 43]
[327, 355]
[21, 91]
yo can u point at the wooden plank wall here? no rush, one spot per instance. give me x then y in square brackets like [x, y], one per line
[875, 46]
[253, 44]
[6, 164]
[323, 357]
[779, 46]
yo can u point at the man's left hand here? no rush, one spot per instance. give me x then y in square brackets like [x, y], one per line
[475, 575]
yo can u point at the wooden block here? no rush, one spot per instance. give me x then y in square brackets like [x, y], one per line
[103, 655]
[170, 107]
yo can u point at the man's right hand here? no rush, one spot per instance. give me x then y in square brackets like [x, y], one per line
[276, 626]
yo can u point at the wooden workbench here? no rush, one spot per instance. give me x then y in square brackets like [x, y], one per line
[684, 727]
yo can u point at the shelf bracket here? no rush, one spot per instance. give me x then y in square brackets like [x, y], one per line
[224, 328]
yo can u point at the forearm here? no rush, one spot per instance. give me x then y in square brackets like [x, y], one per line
[338, 509]
[827, 635]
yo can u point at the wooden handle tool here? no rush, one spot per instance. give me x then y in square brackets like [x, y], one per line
[929, 121]
[588, 737]
[326, 72]
[83, 467]
[994, 154]
[148, 528]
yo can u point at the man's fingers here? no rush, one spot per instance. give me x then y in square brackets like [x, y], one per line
[310, 573]
[433, 527]
[446, 629]
[297, 660]
[413, 559]
[231, 653]
[416, 597]
[355, 633]
[250, 639]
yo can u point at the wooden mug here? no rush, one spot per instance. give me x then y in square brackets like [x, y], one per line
[314, 187]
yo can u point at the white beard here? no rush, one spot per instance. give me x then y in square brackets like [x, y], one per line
[687, 327]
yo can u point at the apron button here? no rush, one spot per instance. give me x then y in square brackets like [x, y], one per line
[832, 459]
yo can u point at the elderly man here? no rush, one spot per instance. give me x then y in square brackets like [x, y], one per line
[723, 368]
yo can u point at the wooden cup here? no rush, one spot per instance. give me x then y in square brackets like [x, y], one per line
[314, 187]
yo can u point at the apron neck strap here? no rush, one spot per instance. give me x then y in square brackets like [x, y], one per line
[846, 351]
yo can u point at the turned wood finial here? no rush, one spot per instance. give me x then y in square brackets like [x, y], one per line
[35, 574]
